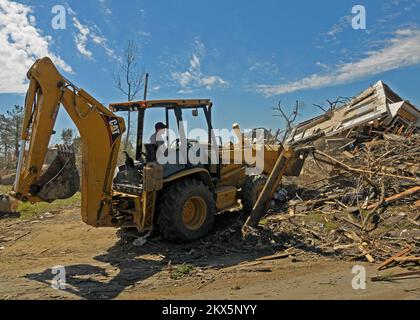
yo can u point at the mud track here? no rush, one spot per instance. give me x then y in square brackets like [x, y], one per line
[99, 265]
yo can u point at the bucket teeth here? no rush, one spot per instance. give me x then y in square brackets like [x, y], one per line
[64, 152]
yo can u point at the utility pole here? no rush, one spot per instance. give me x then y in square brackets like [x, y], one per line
[140, 120]
[146, 82]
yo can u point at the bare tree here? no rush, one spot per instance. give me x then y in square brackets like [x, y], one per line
[288, 118]
[129, 78]
[333, 104]
[67, 136]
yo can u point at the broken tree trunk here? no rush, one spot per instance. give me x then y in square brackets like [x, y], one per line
[360, 171]
[270, 187]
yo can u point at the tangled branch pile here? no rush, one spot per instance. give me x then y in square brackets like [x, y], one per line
[360, 204]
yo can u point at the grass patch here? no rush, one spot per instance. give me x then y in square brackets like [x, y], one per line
[264, 222]
[28, 210]
[321, 218]
[182, 271]
[5, 189]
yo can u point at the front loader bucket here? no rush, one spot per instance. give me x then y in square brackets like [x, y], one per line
[60, 180]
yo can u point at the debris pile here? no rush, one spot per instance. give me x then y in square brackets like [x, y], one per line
[358, 196]
[375, 174]
[358, 205]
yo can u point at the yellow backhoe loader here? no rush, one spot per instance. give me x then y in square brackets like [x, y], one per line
[179, 198]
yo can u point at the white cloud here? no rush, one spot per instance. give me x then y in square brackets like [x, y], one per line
[211, 81]
[21, 43]
[102, 41]
[193, 77]
[321, 65]
[81, 38]
[87, 33]
[155, 88]
[400, 51]
[395, 9]
[343, 23]
[105, 7]
[144, 33]
[264, 68]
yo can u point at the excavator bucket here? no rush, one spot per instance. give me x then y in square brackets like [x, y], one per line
[60, 180]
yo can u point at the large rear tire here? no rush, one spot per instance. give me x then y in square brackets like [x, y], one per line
[250, 191]
[186, 210]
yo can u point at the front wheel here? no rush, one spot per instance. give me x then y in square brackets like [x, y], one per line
[186, 210]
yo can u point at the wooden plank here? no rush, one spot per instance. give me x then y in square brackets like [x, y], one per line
[407, 259]
[396, 275]
[392, 259]
[274, 256]
[395, 197]
[366, 254]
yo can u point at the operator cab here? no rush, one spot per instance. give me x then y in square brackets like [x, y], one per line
[175, 151]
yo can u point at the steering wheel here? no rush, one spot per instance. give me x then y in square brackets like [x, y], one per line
[177, 141]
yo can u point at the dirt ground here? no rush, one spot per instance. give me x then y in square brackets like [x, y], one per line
[99, 265]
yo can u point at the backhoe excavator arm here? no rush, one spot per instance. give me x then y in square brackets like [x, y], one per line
[100, 131]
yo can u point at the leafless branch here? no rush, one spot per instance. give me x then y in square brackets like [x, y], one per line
[130, 78]
[289, 119]
[333, 104]
[320, 107]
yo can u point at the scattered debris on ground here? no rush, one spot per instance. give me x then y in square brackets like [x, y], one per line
[361, 204]
[358, 196]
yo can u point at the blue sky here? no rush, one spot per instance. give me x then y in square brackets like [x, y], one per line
[244, 55]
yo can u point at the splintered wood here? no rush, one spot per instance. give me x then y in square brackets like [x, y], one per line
[360, 204]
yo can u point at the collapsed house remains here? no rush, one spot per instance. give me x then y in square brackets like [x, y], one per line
[378, 108]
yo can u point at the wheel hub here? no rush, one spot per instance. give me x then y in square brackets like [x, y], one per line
[194, 213]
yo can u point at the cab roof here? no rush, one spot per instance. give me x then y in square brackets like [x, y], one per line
[137, 105]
